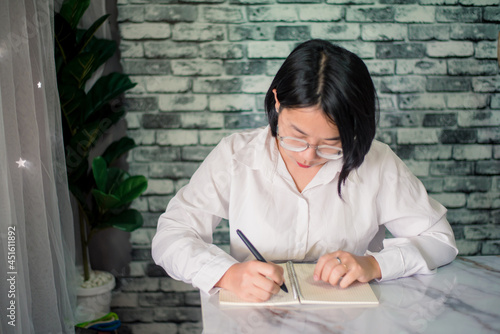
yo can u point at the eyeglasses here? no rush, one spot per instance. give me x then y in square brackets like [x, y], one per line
[300, 145]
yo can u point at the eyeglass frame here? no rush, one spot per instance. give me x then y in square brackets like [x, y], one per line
[316, 147]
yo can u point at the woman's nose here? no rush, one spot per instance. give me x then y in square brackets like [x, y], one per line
[310, 153]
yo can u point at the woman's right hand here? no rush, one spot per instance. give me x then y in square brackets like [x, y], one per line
[253, 281]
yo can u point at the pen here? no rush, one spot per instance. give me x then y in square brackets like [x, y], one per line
[256, 253]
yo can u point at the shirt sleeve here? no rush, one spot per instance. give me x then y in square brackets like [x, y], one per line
[182, 244]
[423, 238]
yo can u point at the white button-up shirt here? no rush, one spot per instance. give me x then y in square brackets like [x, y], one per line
[245, 180]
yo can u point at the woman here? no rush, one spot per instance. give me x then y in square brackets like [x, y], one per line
[314, 185]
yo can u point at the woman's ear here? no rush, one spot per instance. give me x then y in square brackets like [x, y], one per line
[277, 103]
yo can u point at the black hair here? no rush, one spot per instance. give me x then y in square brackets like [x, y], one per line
[319, 73]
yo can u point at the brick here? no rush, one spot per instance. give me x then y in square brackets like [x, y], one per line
[486, 50]
[448, 84]
[432, 152]
[472, 152]
[383, 32]
[212, 137]
[491, 248]
[223, 14]
[141, 284]
[216, 85]
[467, 184]
[250, 32]
[393, 120]
[251, 2]
[171, 13]
[495, 101]
[427, 67]
[160, 121]
[195, 153]
[485, 84]
[168, 284]
[421, 101]
[183, 102]
[380, 67]
[369, 14]
[450, 49]
[472, 67]
[474, 32]
[198, 32]
[491, 14]
[158, 203]
[386, 136]
[440, 120]
[433, 185]
[145, 154]
[269, 49]
[251, 67]
[450, 200]
[418, 168]
[414, 14]
[417, 136]
[231, 102]
[177, 137]
[491, 167]
[447, 168]
[202, 120]
[151, 328]
[165, 84]
[361, 49]
[130, 49]
[320, 13]
[191, 327]
[140, 204]
[426, 32]
[488, 136]
[336, 31]
[496, 154]
[467, 247]
[222, 51]
[135, 314]
[479, 118]
[467, 101]
[130, 13]
[137, 169]
[483, 201]
[173, 170]
[458, 14]
[245, 121]
[401, 50]
[145, 30]
[196, 67]
[142, 236]
[180, 183]
[292, 33]
[133, 120]
[177, 314]
[351, 2]
[170, 49]
[406, 84]
[255, 84]
[460, 136]
[141, 103]
[124, 299]
[142, 137]
[478, 3]
[272, 13]
[464, 216]
[146, 66]
[150, 219]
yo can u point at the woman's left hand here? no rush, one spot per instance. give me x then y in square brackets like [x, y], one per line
[350, 268]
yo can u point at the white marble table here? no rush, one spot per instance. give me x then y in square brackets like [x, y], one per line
[463, 297]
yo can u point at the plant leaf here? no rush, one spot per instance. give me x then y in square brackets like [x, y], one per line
[115, 177]
[71, 99]
[103, 49]
[89, 33]
[105, 89]
[100, 171]
[64, 38]
[117, 148]
[104, 201]
[128, 220]
[78, 70]
[131, 188]
[73, 10]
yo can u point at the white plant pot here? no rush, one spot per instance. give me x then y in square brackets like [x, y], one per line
[94, 297]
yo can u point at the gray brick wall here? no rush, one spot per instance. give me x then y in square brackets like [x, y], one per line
[202, 69]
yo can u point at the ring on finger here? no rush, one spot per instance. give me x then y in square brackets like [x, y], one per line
[338, 259]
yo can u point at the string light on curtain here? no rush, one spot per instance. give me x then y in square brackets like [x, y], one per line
[21, 163]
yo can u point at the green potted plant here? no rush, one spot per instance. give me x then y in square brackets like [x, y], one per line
[103, 192]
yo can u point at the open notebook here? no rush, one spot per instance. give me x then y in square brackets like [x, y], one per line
[302, 289]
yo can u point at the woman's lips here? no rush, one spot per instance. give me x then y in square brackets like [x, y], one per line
[301, 165]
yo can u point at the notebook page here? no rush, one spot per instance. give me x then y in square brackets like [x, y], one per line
[281, 298]
[312, 292]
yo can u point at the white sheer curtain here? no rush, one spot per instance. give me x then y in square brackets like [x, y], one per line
[34, 200]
